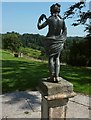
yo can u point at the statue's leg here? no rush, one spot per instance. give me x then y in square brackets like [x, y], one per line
[57, 66]
[51, 66]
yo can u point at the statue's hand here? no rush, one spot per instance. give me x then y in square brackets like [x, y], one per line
[42, 17]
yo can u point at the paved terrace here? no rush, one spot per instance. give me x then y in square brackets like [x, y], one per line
[27, 104]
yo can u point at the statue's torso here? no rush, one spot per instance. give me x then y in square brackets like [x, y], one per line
[55, 26]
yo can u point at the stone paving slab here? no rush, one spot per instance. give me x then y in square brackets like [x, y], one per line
[27, 104]
[81, 99]
[21, 104]
[77, 111]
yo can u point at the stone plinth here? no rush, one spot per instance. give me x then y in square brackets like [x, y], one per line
[49, 88]
[55, 97]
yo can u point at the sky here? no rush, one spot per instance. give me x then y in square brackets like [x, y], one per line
[22, 17]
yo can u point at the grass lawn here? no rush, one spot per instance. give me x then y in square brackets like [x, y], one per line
[23, 74]
[79, 76]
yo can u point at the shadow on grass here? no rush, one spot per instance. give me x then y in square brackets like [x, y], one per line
[21, 75]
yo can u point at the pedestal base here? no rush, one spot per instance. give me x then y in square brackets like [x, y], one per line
[49, 88]
[55, 97]
[53, 109]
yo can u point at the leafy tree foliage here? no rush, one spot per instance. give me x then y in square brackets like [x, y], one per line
[73, 9]
[76, 9]
[74, 52]
[11, 41]
[80, 52]
[34, 41]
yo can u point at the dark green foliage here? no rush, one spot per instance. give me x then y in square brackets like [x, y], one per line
[80, 53]
[73, 9]
[0, 41]
[88, 50]
[34, 41]
[11, 41]
[77, 52]
[76, 10]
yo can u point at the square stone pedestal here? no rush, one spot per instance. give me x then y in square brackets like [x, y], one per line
[55, 97]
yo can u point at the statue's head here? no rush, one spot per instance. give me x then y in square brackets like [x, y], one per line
[55, 8]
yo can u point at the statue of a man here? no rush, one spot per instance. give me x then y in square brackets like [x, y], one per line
[55, 39]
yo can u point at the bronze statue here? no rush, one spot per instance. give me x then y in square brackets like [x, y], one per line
[55, 39]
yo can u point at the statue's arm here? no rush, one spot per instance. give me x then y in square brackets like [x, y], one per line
[39, 25]
[64, 31]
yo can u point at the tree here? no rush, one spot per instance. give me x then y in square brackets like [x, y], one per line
[11, 41]
[82, 18]
[76, 9]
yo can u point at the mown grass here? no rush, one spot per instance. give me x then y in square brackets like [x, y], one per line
[23, 74]
[79, 76]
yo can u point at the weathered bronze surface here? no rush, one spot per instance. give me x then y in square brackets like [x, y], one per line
[55, 39]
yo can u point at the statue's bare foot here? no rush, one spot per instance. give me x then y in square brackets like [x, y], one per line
[50, 79]
[56, 79]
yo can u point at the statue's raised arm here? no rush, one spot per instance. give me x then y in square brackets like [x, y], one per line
[39, 25]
